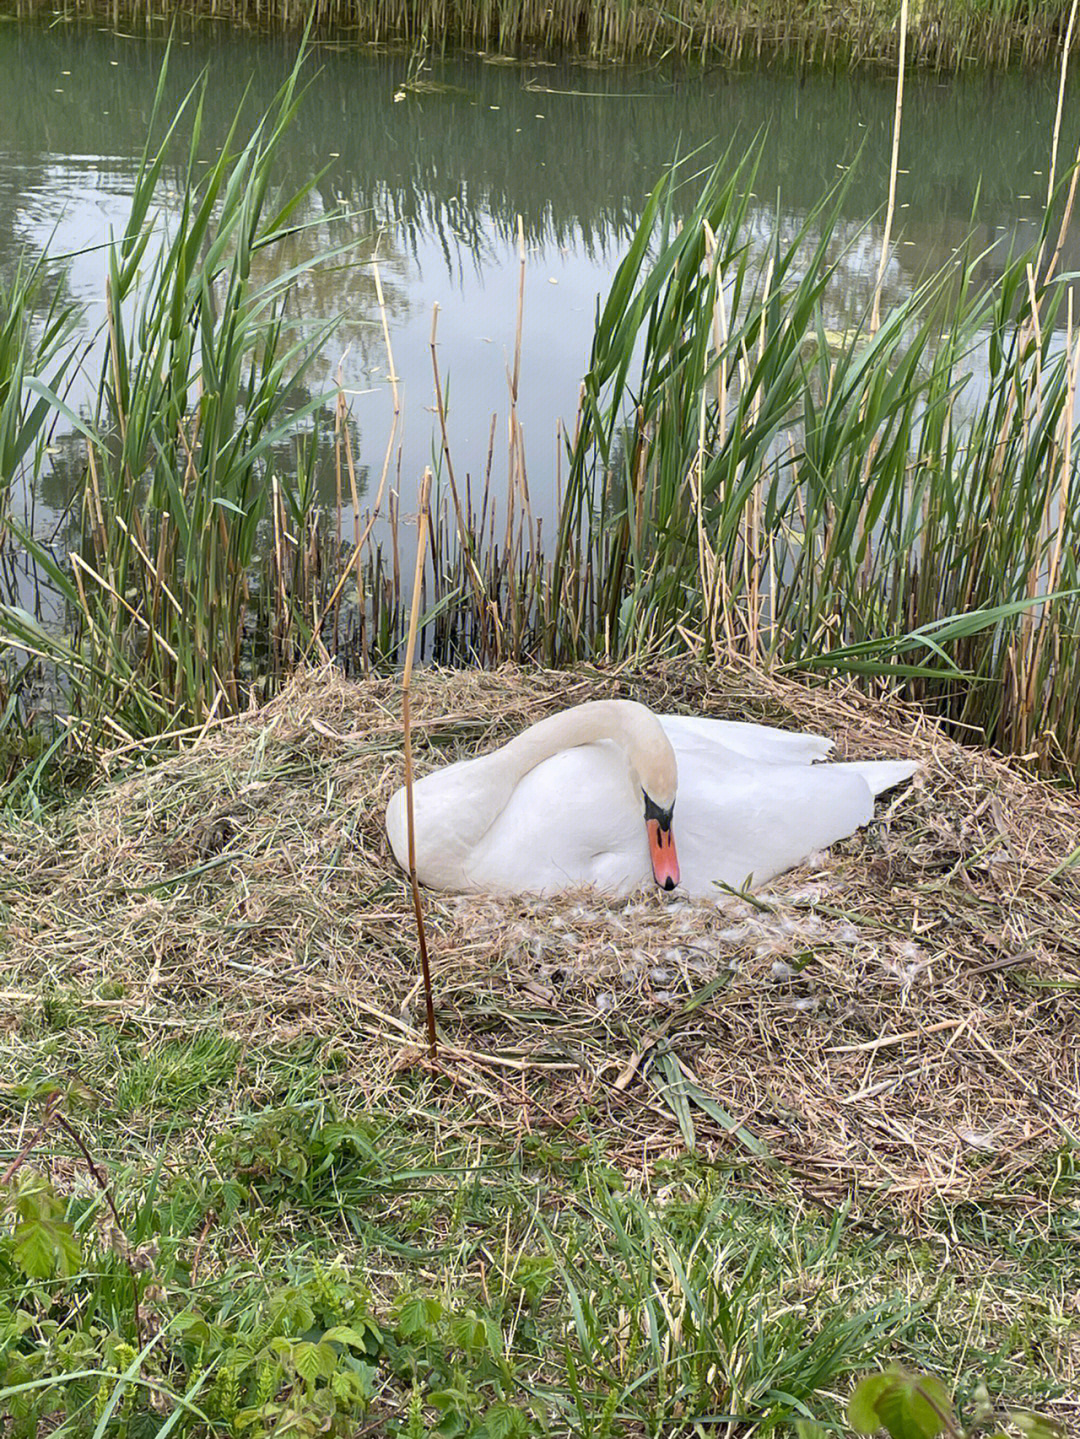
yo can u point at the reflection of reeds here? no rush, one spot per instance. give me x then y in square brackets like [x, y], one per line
[943, 34]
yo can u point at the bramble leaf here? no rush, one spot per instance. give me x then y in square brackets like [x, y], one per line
[46, 1247]
[906, 1406]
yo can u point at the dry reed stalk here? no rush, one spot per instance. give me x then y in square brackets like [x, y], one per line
[875, 316]
[1024, 655]
[720, 319]
[483, 601]
[517, 438]
[707, 564]
[422, 525]
[80, 564]
[753, 595]
[1052, 178]
[1053, 573]
[341, 415]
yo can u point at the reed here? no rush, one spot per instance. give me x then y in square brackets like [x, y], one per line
[944, 34]
[197, 516]
[37, 326]
[896, 503]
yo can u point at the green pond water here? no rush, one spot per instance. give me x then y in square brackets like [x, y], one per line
[434, 183]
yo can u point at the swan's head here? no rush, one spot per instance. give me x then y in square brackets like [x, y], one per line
[653, 760]
[665, 862]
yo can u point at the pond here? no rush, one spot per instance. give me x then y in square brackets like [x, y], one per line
[435, 178]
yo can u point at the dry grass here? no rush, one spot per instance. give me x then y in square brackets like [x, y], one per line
[898, 1023]
[946, 35]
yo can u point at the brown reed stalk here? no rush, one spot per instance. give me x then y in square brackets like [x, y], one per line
[875, 317]
[476, 579]
[422, 525]
[1066, 49]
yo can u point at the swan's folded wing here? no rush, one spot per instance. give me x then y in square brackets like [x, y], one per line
[750, 825]
[760, 743]
[576, 819]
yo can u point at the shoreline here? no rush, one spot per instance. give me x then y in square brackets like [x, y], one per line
[948, 38]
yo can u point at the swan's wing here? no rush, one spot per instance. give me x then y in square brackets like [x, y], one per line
[755, 742]
[881, 774]
[450, 808]
[573, 820]
[749, 825]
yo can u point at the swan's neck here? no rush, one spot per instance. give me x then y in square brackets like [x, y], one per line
[629, 724]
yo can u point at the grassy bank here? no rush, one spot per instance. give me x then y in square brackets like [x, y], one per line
[681, 1169]
[943, 34]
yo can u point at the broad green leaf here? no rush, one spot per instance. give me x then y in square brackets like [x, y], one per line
[311, 1362]
[504, 1421]
[417, 1314]
[44, 1247]
[1037, 1426]
[348, 1334]
[907, 1406]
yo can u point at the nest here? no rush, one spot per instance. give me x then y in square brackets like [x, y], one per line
[895, 1023]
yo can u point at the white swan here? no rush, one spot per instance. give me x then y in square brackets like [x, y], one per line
[588, 797]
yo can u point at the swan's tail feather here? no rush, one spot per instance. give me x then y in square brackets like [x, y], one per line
[882, 774]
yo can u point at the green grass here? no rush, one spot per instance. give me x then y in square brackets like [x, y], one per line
[308, 1261]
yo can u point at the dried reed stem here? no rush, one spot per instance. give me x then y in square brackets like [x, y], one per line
[362, 539]
[406, 724]
[1065, 51]
[875, 318]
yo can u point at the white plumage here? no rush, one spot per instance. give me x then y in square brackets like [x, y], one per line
[562, 804]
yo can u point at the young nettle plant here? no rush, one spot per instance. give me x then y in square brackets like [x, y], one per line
[906, 1405]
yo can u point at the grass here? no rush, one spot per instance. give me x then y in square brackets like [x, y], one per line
[947, 35]
[521, 1282]
[325, 1233]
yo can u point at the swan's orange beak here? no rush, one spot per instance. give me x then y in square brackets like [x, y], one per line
[665, 862]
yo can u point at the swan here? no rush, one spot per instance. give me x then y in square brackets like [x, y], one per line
[588, 797]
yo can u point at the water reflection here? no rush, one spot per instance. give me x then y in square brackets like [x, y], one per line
[433, 185]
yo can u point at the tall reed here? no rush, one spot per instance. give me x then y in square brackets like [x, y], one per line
[198, 500]
[37, 327]
[756, 486]
[897, 502]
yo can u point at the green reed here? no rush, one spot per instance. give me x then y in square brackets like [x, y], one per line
[37, 324]
[768, 490]
[894, 503]
[176, 591]
[36, 327]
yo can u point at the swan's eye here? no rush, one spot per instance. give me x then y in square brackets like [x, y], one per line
[654, 811]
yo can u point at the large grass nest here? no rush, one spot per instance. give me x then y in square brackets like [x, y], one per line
[896, 1022]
